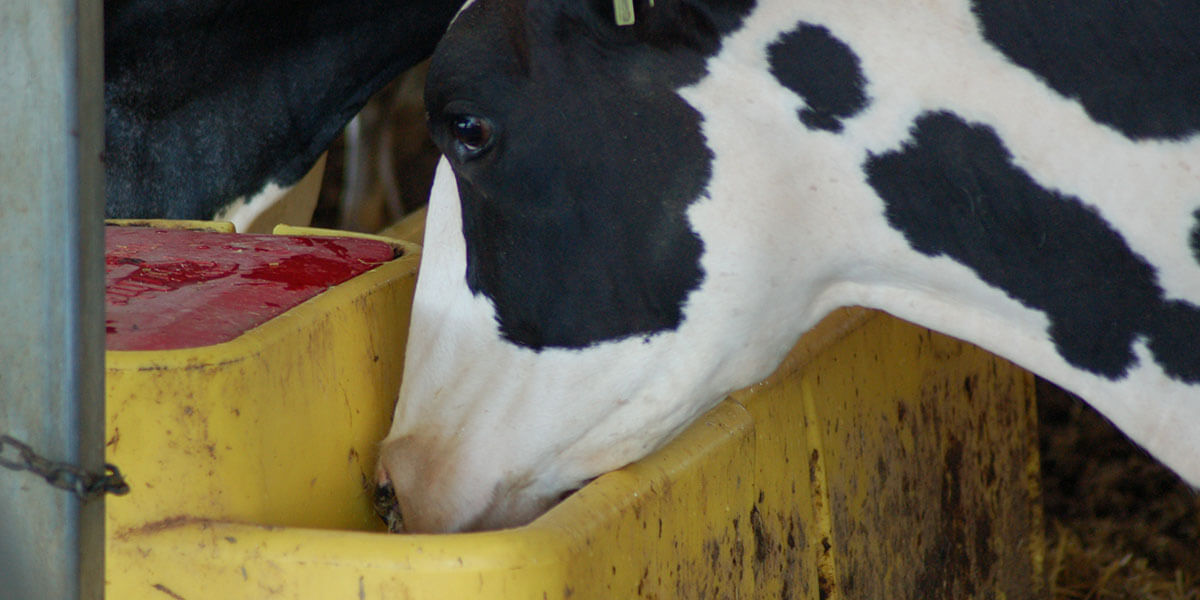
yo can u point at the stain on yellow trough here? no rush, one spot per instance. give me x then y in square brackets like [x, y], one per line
[881, 460]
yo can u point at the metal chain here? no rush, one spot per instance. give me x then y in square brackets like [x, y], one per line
[64, 476]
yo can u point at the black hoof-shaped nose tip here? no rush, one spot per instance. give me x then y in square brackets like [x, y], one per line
[388, 508]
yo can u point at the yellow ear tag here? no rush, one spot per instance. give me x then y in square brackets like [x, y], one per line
[623, 9]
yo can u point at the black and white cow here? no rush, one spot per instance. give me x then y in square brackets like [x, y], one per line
[216, 107]
[632, 221]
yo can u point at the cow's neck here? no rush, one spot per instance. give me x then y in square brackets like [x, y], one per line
[944, 295]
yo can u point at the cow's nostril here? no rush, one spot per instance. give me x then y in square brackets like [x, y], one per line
[388, 508]
[571, 492]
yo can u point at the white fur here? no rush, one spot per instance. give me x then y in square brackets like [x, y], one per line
[791, 231]
[274, 205]
[465, 6]
[244, 211]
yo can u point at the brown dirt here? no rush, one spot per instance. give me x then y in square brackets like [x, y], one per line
[1119, 524]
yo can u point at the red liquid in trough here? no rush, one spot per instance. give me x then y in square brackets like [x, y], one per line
[169, 289]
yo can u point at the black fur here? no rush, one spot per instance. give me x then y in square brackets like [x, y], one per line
[1133, 64]
[1195, 238]
[823, 71]
[575, 215]
[953, 190]
[209, 100]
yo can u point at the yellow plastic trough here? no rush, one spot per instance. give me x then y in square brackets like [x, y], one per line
[880, 461]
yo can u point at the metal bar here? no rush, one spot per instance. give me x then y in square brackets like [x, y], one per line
[51, 298]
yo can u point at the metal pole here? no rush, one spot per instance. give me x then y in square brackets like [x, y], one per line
[51, 291]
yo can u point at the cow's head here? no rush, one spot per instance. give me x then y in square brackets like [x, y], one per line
[566, 319]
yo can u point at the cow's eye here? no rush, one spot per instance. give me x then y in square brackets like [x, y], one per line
[473, 133]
